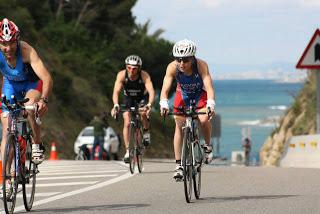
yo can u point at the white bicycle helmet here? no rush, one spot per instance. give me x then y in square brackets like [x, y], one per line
[184, 48]
[133, 60]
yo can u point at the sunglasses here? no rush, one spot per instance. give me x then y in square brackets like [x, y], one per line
[129, 67]
[183, 59]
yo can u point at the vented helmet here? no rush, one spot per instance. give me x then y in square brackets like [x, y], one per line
[8, 31]
[184, 48]
[133, 60]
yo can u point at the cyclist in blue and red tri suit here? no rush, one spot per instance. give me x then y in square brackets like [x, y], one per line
[24, 75]
[194, 84]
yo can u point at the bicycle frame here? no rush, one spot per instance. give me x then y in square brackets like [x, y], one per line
[135, 141]
[190, 162]
[190, 123]
[15, 170]
[14, 120]
[135, 137]
[135, 120]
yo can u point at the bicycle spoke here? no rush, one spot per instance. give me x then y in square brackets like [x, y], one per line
[132, 148]
[140, 153]
[10, 184]
[187, 165]
[197, 172]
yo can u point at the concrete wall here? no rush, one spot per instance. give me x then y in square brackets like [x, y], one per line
[301, 151]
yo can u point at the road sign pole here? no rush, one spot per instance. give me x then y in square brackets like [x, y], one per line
[318, 100]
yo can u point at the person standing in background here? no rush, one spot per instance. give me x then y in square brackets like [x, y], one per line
[98, 131]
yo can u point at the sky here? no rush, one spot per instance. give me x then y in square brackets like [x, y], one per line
[238, 38]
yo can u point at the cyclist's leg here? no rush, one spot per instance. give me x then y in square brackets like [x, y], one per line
[7, 90]
[205, 128]
[146, 126]
[144, 120]
[177, 144]
[177, 141]
[126, 126]
[205, 125]
[4, 121]
[33, 92]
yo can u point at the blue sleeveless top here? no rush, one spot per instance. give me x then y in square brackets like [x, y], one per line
[19, 73]
[191, 86]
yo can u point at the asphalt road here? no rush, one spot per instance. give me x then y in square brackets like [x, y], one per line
[109, 187]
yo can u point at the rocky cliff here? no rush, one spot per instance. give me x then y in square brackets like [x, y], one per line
[299, 119]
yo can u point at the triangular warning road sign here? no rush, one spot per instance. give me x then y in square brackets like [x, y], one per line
[310, 58]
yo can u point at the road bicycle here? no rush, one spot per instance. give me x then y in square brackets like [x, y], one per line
[192, 151]
[136, 143]
[17, 166]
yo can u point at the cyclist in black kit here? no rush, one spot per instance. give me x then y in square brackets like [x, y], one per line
[138, 88]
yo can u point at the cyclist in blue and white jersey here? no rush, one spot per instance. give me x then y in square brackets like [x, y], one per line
[24, 75]
[194, 83]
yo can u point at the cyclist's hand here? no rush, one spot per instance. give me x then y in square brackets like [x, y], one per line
[164, 107]
[211, 108]
[42, 107]
[115, 110]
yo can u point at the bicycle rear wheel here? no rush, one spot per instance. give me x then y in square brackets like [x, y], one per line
[10, 183]
[187, 165]
[140, 153]
[132, 147]
[30, 171]
[197, 173]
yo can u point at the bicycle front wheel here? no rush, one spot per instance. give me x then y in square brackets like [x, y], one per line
[198, 154]
[30, 171]
[132, 147]
[140, 153]
[187, 164]
[10, 183]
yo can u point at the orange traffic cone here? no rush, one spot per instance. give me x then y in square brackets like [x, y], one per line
[53, 153]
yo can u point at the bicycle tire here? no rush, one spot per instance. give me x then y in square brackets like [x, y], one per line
[197, 174]
[132, 148]
[9, 197]
[30, 177]
[140, 152]
[187, 165]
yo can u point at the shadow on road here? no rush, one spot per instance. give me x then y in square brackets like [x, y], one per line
[156, 172]
[244, 197]
[89, 209]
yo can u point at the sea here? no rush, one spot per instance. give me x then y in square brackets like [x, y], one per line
[250, 108]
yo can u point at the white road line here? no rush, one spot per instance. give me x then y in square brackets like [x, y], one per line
[68, 172]
[41, 194]
[72, 166]
[77, 176]
[64, 184]
[75, 192]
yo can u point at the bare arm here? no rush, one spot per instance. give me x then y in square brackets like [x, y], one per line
[207, 80]
[30, 55]
[117, 87]
[167, 81]
[149, 86]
